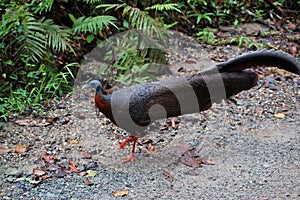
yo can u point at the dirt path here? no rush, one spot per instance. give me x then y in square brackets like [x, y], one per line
[256, 154]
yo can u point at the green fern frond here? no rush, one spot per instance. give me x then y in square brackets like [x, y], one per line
[93, 24]
[32, 40]
[162, 7]
[43, 5]
[56, 37]
[143, 21]
[111, 6]
[37, 35]
[30, 36]
[92, 1]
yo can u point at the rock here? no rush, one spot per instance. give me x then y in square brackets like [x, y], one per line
[13, 172]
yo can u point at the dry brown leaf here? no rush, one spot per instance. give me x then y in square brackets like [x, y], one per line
[44, 177]
[168, 176]
[4, 150]
[206, 162]
[146, 141]
[23, 122]
[73, 167]
[20, 149]
[120, 193]
[48, 158]
[87, 181]
[165, 127]
[189, 160]
[186, 154]
[38, 172]
[42, 124]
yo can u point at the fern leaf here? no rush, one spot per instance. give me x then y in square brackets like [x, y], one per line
[163, 7]
[93, 24]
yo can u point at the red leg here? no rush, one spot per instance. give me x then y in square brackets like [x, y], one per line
[124, 143]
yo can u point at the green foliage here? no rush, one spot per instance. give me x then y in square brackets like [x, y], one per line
[92, 25]
[42, 5]
[242, 40]
[40, 85]
[164, 7]
[207, 36]
[40, 37]
[27, 36]
[132, 50]
[29, 76]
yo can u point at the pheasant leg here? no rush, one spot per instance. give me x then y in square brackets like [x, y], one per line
[132, 139]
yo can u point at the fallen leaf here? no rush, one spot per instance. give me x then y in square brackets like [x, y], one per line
[42, 124]
[87, 181]
[74, 142]
[44, 177]
[206, 162]
[48, 158]
[91, 173]
[149, 149]
[73, 167]
[168, 176]
[20, 149]
[4, 150]
[23, 122]
[189, 160]
[279, 115]
[38, 172]
[174, 125]
[146, 141]
[186, 154]
[165, 127]
[120, 193]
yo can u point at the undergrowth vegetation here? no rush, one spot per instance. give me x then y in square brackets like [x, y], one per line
[42, 42]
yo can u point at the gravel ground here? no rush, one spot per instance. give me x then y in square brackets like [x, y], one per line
[256, 153]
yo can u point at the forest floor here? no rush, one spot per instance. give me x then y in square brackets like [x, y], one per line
[246, 150]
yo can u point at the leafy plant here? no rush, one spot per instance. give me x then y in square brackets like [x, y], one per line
[131, 49]
[29, 75]
[41, 85]
[92, 24]
[28, 36]
[242, 40]
[207, 36]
